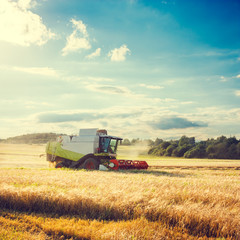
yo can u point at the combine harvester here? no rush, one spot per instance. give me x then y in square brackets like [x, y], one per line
[92, 149]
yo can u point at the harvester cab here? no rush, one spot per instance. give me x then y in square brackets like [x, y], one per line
[91, 149]
[108, 145]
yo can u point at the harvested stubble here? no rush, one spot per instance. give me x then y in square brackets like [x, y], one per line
[202, 204]
[37, 226]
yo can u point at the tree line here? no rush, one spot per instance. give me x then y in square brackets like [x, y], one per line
[35, 138]
[220, 148]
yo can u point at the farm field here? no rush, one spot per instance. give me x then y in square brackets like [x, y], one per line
[176, 202]
[22, 156]
[140, 153]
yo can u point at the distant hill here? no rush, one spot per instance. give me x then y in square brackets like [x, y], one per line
[35, 138]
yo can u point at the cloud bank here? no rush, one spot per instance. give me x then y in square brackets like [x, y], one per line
[20, 26]
[42, 71]
[66, 117]
[177, 122]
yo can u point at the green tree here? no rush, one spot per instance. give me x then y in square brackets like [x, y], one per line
[157, 142]
[164, 145]
[135, 141]
[186, 141]
[232, 152]
[220, 148]
[126, 142]
[199, 151]
[238, 150]
[170, 149]
[150, 142]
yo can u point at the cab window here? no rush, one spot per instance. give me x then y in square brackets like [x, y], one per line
[108, 145]
[104, 143]
[113, 146]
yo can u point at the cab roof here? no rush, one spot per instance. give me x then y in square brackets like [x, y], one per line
[113, 137]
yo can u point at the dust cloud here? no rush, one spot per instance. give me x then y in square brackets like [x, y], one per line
[133, 152]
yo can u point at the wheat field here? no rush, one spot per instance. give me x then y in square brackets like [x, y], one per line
[172, 203]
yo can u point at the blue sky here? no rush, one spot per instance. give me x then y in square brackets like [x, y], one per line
[138, 68]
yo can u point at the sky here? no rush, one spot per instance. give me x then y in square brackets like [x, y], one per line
[138, 68]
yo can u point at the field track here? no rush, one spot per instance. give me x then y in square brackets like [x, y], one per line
[196, 167]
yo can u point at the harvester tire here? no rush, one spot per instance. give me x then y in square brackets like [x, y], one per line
[91, 164]
[59, 165]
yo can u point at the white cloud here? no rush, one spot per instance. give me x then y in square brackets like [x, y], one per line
[94, 54]
[187, 102]
[237, 93]
[100, 79]
[20, 26]
[238, 76]
[223, 79]
[85, 79]
[80, 26]
[78, 39]
[45, 71]
[33, 105]
[150, 86]
[119, 54]
[109, 89]
[26, 4]
[112, 89]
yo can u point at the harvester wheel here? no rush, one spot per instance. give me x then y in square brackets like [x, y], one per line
[91, 164]
[59, 165]
[114, 165]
